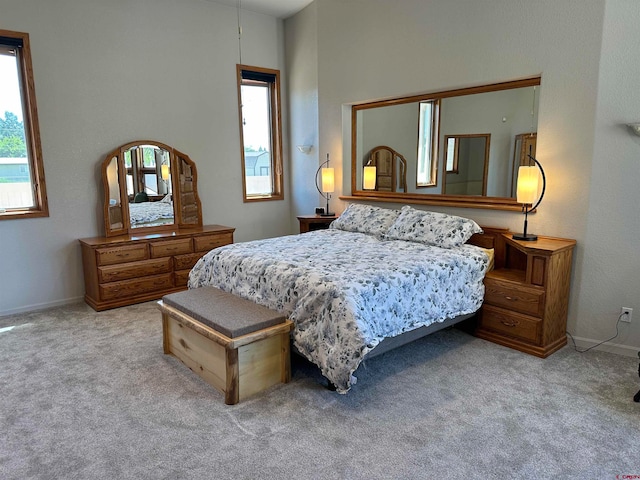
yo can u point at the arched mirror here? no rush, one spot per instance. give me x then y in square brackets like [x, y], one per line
[429, 130]
[149, 186]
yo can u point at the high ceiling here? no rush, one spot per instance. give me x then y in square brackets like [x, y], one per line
[275, 8]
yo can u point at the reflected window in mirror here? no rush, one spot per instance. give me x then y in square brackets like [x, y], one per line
[427, 143]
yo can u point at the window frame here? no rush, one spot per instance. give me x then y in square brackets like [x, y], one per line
[277, 174]
[32, 130]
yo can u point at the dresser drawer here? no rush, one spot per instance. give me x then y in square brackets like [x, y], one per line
[122, 254]
[168, 248]
[510, 323]
[131, 288]
[204, 243]
[186, 262]
[519, 298]
[124, 271]
[181, 278]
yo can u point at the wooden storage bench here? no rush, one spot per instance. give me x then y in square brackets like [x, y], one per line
[235, 345]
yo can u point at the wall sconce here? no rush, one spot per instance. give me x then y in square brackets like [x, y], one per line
[164, 171]
[327, 179]
[635, 128]
[527, 192]
[369, 177]
[304, 148]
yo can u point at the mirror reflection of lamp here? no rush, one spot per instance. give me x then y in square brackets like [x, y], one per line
[327, 178]
[369, 177]
[527, 193]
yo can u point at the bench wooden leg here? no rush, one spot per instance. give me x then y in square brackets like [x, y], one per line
[286, 359]
[232, 390]
[165, 333]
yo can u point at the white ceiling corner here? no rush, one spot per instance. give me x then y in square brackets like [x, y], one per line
[275, 8]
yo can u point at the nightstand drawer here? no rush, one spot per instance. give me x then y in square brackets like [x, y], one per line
[170, 247]
[520, 298]
[510, 323]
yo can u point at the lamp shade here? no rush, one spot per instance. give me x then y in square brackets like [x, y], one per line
[164, 169]
[369, 178]
[328, 184]
[527, 189]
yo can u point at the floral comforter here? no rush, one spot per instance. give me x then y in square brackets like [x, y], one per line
[149, 212]
[345, 291]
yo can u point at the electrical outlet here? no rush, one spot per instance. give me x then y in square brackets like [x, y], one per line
[626, 313]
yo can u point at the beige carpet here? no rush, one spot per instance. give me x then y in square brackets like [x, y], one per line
[88, 395]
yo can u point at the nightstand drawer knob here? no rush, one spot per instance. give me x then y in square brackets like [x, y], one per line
[510, 323]
[511, 299]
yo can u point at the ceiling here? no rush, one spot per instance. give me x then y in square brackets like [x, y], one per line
[275, 8]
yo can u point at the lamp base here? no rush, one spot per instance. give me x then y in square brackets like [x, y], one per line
[525, 237]
[327, 214]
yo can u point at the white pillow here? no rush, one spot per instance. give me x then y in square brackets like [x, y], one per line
[365, 219]
[432, 228]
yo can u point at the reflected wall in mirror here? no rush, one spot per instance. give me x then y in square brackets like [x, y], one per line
[149, 186]
[418, 128]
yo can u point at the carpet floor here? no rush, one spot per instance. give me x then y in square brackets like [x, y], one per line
[90, 395]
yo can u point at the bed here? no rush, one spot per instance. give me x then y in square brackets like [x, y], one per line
[376, 275]
[148, 214]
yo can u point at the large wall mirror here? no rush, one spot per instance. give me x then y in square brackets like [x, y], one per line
[460, 147]
[149, 186]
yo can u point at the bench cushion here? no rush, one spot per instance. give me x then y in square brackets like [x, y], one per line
[226, 313]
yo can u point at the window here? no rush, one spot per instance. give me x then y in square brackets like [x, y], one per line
[22, 186]
[427, 135]
[260, 133]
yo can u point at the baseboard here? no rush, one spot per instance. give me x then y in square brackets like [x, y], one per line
[40, 306]
[626, 350]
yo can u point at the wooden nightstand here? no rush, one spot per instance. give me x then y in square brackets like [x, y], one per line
[309, 223]
[527, 295]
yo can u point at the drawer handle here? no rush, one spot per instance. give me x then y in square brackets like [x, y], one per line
[171, 249]
[122, 255]
[510, 323]
[511, 299]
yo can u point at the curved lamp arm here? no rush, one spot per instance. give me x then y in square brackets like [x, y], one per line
[544, 179]
[326, 196]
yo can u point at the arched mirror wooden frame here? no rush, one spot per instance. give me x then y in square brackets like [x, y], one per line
[176, 188]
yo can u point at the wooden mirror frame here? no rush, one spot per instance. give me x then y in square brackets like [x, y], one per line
[471, 201]
[187, 208]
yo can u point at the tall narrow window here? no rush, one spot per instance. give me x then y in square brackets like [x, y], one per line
[22, 186]
[260, 133]
[427, 135]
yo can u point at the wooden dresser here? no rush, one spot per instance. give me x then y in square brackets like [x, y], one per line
[130, 269]
[527, 295]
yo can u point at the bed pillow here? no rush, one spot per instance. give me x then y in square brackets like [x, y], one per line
[365, 219]
[432, 228]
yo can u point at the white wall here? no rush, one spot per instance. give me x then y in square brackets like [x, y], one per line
[370, 49]
[301, 41]
[611, 244]
[109, 72]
